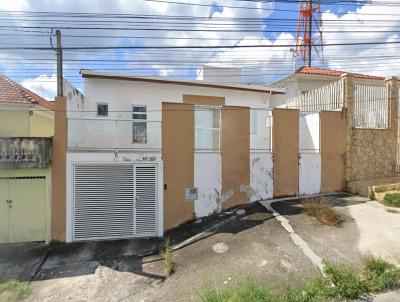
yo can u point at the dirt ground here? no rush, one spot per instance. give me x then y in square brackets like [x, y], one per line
[252, 245]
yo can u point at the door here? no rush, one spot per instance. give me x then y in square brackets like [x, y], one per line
[309, 154]
[23, 209]
[114, 201]
[4, 209]
[28, 210]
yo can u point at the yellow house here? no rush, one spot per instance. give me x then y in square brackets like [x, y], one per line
[26, 130]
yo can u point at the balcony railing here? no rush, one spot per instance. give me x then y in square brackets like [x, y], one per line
[96, 133]
[25, 152]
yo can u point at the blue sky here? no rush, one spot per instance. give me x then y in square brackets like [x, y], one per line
[35, 69]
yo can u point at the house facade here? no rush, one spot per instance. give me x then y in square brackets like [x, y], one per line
[26, 128]
[306, 79]
[178, 150]
[138, 156]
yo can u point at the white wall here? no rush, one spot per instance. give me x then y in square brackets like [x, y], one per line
[110, 157]
[208, 180]
[261, 176]
[222, 75]
[75, 99]
[309, 132]
[121, 95]
[296, 86]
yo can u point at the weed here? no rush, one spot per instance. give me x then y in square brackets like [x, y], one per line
[392, 200]
[379, 274]
[52, 244]
[341, 282]
[13, 290]
[249, 291]
[322, 211]
[169, 263]
[215, 294]
[168, 257]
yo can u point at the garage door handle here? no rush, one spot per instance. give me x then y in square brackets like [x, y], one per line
[8, 201]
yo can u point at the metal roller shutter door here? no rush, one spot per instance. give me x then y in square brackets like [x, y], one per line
[114, 201]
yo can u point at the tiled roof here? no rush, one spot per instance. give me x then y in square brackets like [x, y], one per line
[14, 93]
[333, 73]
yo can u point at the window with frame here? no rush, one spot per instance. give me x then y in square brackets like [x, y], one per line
[139, 117]
[102, 109]
[207, 127]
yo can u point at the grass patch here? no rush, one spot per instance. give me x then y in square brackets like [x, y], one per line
[392, 200]
[341, 283]
[250, 290]
[168, 258]
[379, 274]
[13, 290]
[321, 210]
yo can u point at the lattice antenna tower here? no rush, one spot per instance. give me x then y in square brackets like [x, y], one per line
[309, 31]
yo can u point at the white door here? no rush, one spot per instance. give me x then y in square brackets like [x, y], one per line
[115, 200]
[309, 154]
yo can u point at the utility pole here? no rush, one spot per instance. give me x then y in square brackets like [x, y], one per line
[59, 65]
[310, 34]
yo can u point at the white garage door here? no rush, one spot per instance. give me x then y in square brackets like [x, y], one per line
[114, 201]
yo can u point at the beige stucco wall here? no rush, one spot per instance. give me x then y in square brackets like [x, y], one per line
[58, 217]
[178, 162]
[285, 146]
[235, 156]
[333, 150]
[25, 121]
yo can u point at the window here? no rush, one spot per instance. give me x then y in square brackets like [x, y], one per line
[139, 117]
[207, 126]
[102, 109]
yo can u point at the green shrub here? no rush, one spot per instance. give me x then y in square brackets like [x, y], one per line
[392, 200]
[342, 282]
[379, 274]
[13, 290]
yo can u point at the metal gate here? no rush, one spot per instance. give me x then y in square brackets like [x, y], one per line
[22, 209]
[114, 201]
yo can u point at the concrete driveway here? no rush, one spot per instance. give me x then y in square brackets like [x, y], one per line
[368, 227]
[256, 244]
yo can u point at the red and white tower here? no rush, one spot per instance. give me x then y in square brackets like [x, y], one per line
[309, 32]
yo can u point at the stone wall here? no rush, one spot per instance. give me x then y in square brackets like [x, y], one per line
[370, 153]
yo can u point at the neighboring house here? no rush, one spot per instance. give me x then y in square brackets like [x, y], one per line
[26, 128]
[137, 156]
[306, 79]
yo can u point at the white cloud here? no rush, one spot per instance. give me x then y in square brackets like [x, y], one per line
[43, 85]
[260, 65]
[374, 24]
